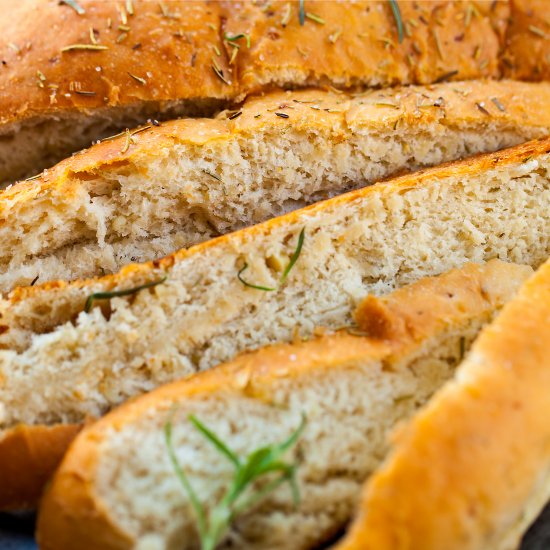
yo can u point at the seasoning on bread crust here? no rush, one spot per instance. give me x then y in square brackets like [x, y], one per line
[472, 470]
[116, 487]
[147, 193]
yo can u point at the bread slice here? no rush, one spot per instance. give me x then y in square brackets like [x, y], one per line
[170, 59]
[142, 196]
[472, 469]
[117, 488]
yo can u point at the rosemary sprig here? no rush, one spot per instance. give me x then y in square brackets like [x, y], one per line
[213, 525]
[117, 293]
[236, 37]
[250, 285]
[302, 12]
[75, 5]
[398, 21]
[93, 47]
[295, 256]
[287, 270]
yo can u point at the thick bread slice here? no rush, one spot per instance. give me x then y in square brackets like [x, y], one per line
[472, 470]
[117, 489]
[166, 188]
[166, 59]
[203, 310]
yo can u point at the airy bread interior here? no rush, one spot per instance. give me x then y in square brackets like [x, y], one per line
[92, 222]
[352, 394]
[371, 241]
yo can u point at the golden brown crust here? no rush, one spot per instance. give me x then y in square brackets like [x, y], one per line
[71, 509]
[356, 43]
[172, 56]
[28, 456]
[527, 53]
[470, 470]
[173, 47]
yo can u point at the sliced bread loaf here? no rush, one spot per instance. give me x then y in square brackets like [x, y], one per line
[472, 470]
[143, 195]
[117, 487]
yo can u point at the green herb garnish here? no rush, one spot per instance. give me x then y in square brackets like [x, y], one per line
[315, 17]
[117, 293]
[398, 21]
[295, 256]
[94, 47]
[75, 5]
[250, 285]
[137, 78]
[444, 77]
[302, 12]
[213, 525]
[283, 278]
[244, 35]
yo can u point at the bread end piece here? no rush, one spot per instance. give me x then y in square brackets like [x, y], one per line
[472, 470]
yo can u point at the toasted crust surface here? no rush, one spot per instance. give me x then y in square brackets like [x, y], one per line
[50, 79]
[177, 44]
[472, 469]
[73, 508]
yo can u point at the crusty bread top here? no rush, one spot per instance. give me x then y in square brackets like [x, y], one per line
[527, 47]
[73, 509]
[472, 470]
[160, 57]
[460, 104]
[161, 52]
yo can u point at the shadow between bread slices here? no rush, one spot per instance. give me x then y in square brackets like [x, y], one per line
[200, 307]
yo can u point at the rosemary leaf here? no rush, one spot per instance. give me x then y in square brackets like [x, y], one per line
[295, 256]
[250, 285]
[195, 503]
[75, 5]
[93, 47]
[244, 35]
[287, 270]
[398, 21]
[118, 293]
[301, 12]
[315, 17]
[240, 495]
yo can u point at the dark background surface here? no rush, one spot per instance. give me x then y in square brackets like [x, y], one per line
[16, 532]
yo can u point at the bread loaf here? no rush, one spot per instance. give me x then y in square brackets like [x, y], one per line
[141, 196]
[98, 67]
[117, 488]
[472, 470]
[205, 305]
